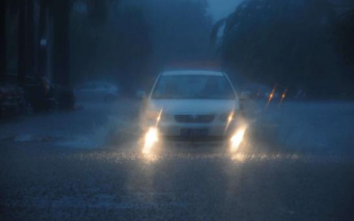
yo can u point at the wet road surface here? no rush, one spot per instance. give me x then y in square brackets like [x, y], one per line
[52, 179]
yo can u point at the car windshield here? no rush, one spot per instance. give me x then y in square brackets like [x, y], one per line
[193, 87]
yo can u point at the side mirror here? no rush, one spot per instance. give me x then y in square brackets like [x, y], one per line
[140, 94]
[245, 95]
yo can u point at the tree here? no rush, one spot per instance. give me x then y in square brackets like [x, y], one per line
[30, 38]
[60, 10]
[22, 49]
[26, 39]
[135, 45]
[127, 40]
[113, 42]
[42, 41]
[2, 40]
[345, 35]
[283, 42]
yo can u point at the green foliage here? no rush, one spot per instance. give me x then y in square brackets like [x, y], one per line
[345, 35]
[284, 42]
[135, 38]
[117, 46]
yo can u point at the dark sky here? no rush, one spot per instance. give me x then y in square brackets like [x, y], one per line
[222, 8]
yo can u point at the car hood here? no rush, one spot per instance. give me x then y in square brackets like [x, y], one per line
[194, 106]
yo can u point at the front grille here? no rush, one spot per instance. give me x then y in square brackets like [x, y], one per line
[196, 139]
[194, 118]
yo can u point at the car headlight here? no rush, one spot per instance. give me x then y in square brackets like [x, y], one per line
[227, 117]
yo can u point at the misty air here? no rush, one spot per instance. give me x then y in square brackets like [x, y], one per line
[177, 110]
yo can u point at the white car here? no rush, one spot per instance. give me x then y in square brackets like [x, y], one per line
[96, 91]
[193, 105]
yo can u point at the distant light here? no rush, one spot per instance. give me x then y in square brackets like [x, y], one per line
[43, 42]
[283, 96]
[271, 95]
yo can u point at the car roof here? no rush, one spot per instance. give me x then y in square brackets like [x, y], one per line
[192, 72]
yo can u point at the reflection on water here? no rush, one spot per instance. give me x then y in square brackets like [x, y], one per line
[160, 156]
[151, 138]
[237, 139]
[150, 147]
[240, 157]
[150, 157]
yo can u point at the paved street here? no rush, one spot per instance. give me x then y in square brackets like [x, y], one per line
[88, 165]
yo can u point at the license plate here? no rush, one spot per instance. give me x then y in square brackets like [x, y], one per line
[194, 132]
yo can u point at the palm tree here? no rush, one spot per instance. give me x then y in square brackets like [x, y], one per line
[42, 39]
[10, 6]
[279, 41]
[60, 11]
[22, 43]
[2, 40]
[345, 34]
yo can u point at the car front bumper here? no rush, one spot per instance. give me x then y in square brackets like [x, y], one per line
[215, 131]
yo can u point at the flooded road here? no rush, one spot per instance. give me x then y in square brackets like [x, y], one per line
[96, 170]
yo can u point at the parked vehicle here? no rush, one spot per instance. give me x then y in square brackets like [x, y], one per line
[96, 91]
[11, 101]
[42, 95]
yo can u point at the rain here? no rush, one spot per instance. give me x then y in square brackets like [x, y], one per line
[176, 110]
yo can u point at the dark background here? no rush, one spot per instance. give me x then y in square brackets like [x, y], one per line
[298, 45]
